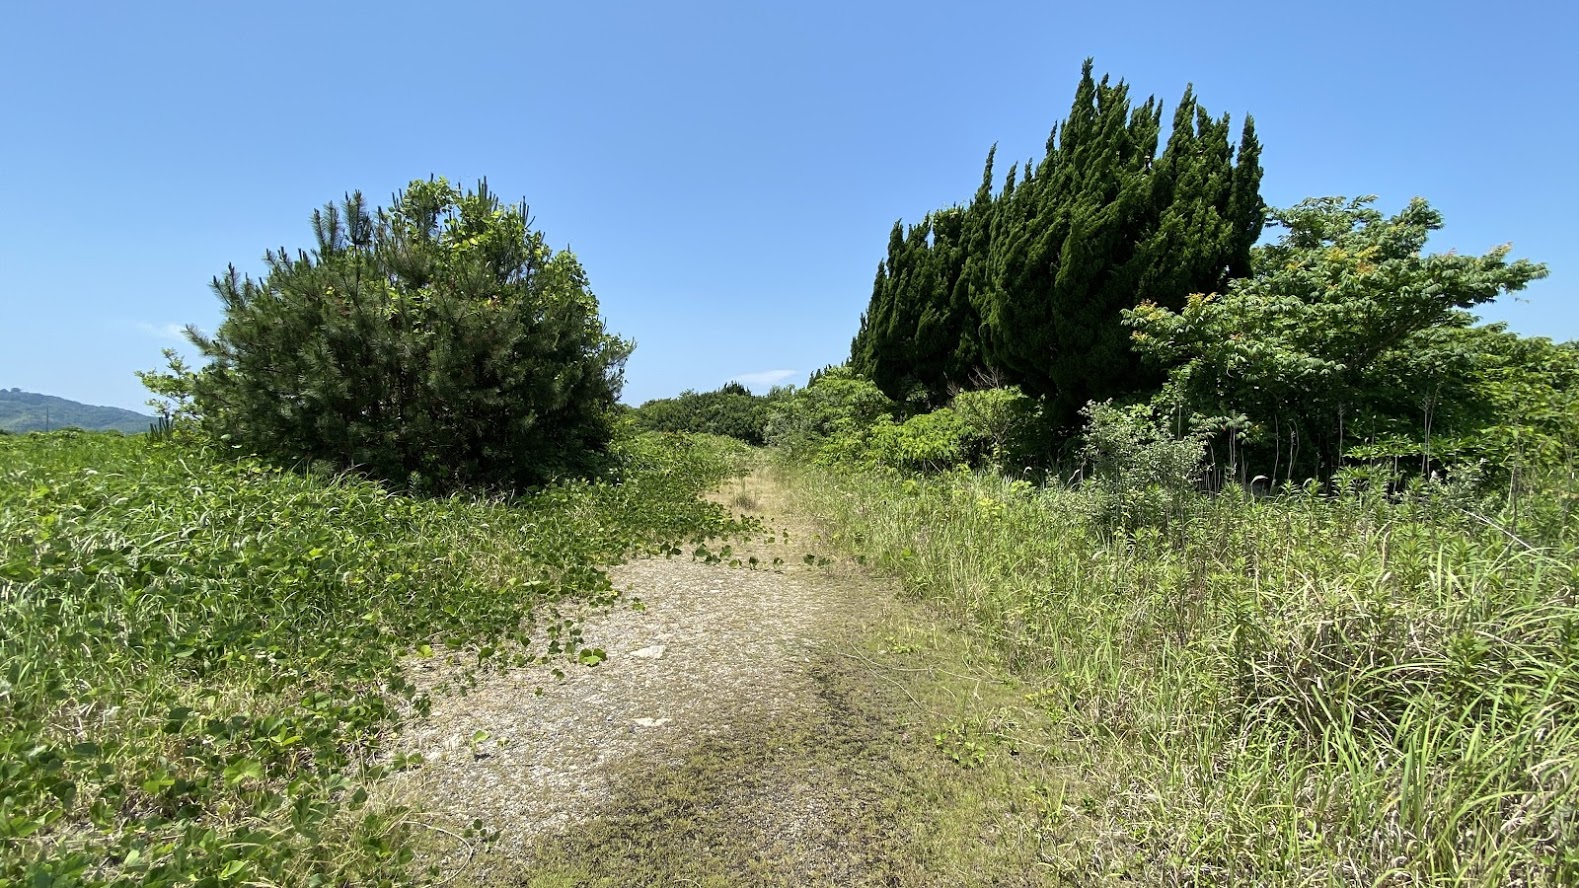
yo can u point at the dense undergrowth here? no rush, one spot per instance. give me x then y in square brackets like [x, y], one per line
[199, 653]
[1304, 689]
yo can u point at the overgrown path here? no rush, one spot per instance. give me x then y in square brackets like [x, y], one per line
[792, 726]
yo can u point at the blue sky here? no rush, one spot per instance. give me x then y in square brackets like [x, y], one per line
[727, 172]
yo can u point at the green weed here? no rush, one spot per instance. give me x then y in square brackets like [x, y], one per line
[1296, 690]
[199, 654]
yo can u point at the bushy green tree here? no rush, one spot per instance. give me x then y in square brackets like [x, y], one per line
[436, 343]
[1527, 392]
[837, 409]
[1464, 395]
[920, 337]
[1346, 334]
[1105, 219]
[732, 411]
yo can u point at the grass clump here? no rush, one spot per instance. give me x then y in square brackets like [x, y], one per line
[199, 654]
[1297, 690]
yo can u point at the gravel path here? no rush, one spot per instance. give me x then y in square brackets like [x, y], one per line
[712, 652]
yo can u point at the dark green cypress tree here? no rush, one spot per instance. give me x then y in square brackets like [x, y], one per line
[1027, 286]
[1247, 212]
[1113, 222]
[938, 329]
[885, 348]
[967, 363]
[869, 349]
[863, 348]
[1059, 275]
[920, 338]
[911, 282]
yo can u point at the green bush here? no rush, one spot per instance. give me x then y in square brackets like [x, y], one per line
[436, 344]
[1006, 428]
[732, 411]
[842, 417]
[832, 416]
[1141, 472]
[926, 442]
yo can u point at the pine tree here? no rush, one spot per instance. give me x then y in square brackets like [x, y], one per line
[435, 344]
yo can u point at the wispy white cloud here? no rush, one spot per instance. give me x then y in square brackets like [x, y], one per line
[174, 332]
[764, 377]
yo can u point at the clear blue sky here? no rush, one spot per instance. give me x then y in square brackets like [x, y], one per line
[726, 171]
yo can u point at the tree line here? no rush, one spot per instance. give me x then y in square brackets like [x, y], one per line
[1125, 267]
[441, 343]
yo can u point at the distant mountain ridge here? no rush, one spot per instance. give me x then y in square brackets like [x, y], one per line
[30, 412]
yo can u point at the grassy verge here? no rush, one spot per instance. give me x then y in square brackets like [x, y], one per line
[1294, 691]
[199, 653]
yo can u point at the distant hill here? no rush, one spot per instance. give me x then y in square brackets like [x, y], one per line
[28, 412]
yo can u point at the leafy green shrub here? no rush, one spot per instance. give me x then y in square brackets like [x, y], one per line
[732, 411]
[1005, 427]
[841, 417]
[437, 344]
[924, 442]
[1143, 472]
[834, 414]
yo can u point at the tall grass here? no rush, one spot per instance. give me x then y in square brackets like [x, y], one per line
[1299, 690]
[198, 654]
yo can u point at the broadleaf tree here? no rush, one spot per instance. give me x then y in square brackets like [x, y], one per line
[1343, 335]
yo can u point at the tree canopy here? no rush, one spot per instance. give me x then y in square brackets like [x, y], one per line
[1347, 333]
[436, 343]
[1026, 286]
[732, 411]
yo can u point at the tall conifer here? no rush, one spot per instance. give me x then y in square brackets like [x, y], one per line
[1029, 284]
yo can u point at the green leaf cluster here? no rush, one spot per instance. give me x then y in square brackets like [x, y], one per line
[843, 418]
[838, 407]
[1350, 335]
[732, 411]
[1142, 472]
